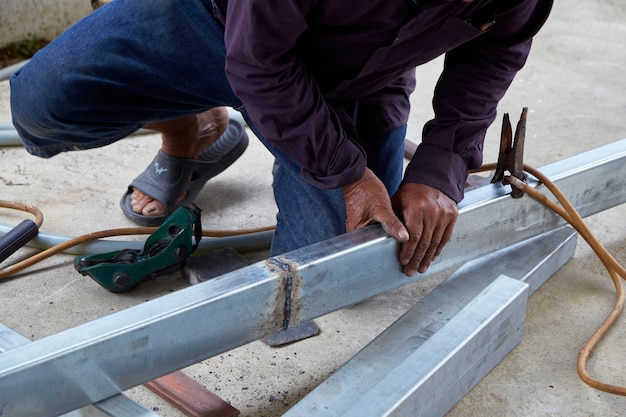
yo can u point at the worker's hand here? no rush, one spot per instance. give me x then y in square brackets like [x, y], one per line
[367, 201]
[429, 215]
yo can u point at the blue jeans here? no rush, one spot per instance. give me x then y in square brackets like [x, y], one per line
[133, 62]
[126, 64]
[307, 214]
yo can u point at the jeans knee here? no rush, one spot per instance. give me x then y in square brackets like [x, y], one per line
[37, 109]
[42, 114]
[32, 108]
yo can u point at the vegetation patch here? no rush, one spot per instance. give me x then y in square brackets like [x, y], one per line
[22, 50]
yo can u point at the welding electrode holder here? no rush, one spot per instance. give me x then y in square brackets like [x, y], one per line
[17, 237]
[511, 156]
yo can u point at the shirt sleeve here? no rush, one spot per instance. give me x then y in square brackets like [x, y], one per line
[475, 77]
[281, 97]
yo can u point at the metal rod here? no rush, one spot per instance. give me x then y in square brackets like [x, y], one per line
[94, 361]
[116, 406]
[479, 336]
[353, 388]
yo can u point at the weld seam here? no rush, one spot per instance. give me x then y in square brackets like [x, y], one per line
[288, 288]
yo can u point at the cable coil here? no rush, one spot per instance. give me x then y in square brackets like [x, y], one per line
[569, 213]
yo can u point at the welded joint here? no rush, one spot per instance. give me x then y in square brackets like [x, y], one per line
[289, 278]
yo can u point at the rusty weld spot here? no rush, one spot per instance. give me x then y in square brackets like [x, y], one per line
[290, 287]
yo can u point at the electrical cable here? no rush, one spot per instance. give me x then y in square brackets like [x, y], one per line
[254, 240]
[567, 211]
[24, 207]
[261, 236]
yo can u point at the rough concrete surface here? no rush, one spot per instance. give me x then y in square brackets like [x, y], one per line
[575, 90]
[45, 19]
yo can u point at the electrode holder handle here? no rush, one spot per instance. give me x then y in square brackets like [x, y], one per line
[17, 237]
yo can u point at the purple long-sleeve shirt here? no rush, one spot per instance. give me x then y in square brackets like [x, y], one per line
[301, 66]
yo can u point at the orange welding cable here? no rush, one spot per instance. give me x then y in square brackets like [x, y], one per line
[70, 243]
[128, 231]
[32, 260]
[24, 207]
[569, 213]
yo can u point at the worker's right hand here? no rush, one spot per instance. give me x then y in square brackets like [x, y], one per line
[367, 201]
[429, 215]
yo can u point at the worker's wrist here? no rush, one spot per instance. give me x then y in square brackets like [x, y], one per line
[438, 168]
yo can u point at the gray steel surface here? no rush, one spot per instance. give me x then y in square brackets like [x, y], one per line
[455, 358]
[489, 219]
[116, 406]
[94, 361]
[532, 262]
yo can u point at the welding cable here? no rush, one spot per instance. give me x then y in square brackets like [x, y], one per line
[223, 238]
[569, 213]
[26, 208]
[252, 239]
[243, 239]
[9, 136]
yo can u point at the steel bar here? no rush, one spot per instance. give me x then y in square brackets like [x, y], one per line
[479, 336]
[489, 219]
[189, 396]
[10, 339]
[352, 386]
[94, 361]
[116, 406]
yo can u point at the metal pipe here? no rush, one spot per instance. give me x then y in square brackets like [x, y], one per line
[6, 72]
[116, 406]
[242, 243]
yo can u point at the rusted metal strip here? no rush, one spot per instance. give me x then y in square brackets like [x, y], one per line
[190, 397]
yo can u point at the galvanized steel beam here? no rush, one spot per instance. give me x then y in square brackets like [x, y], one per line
[116, 406]
[370, 382]
[481, 334]
[94, 361]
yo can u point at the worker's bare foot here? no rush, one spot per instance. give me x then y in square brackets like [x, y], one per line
[185, 137]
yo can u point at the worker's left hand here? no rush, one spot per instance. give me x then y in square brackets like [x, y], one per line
[429, 215]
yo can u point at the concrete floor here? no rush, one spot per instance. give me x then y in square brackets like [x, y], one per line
[45, 19]
[575, 89]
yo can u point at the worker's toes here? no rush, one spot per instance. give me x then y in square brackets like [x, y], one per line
[146, 205]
